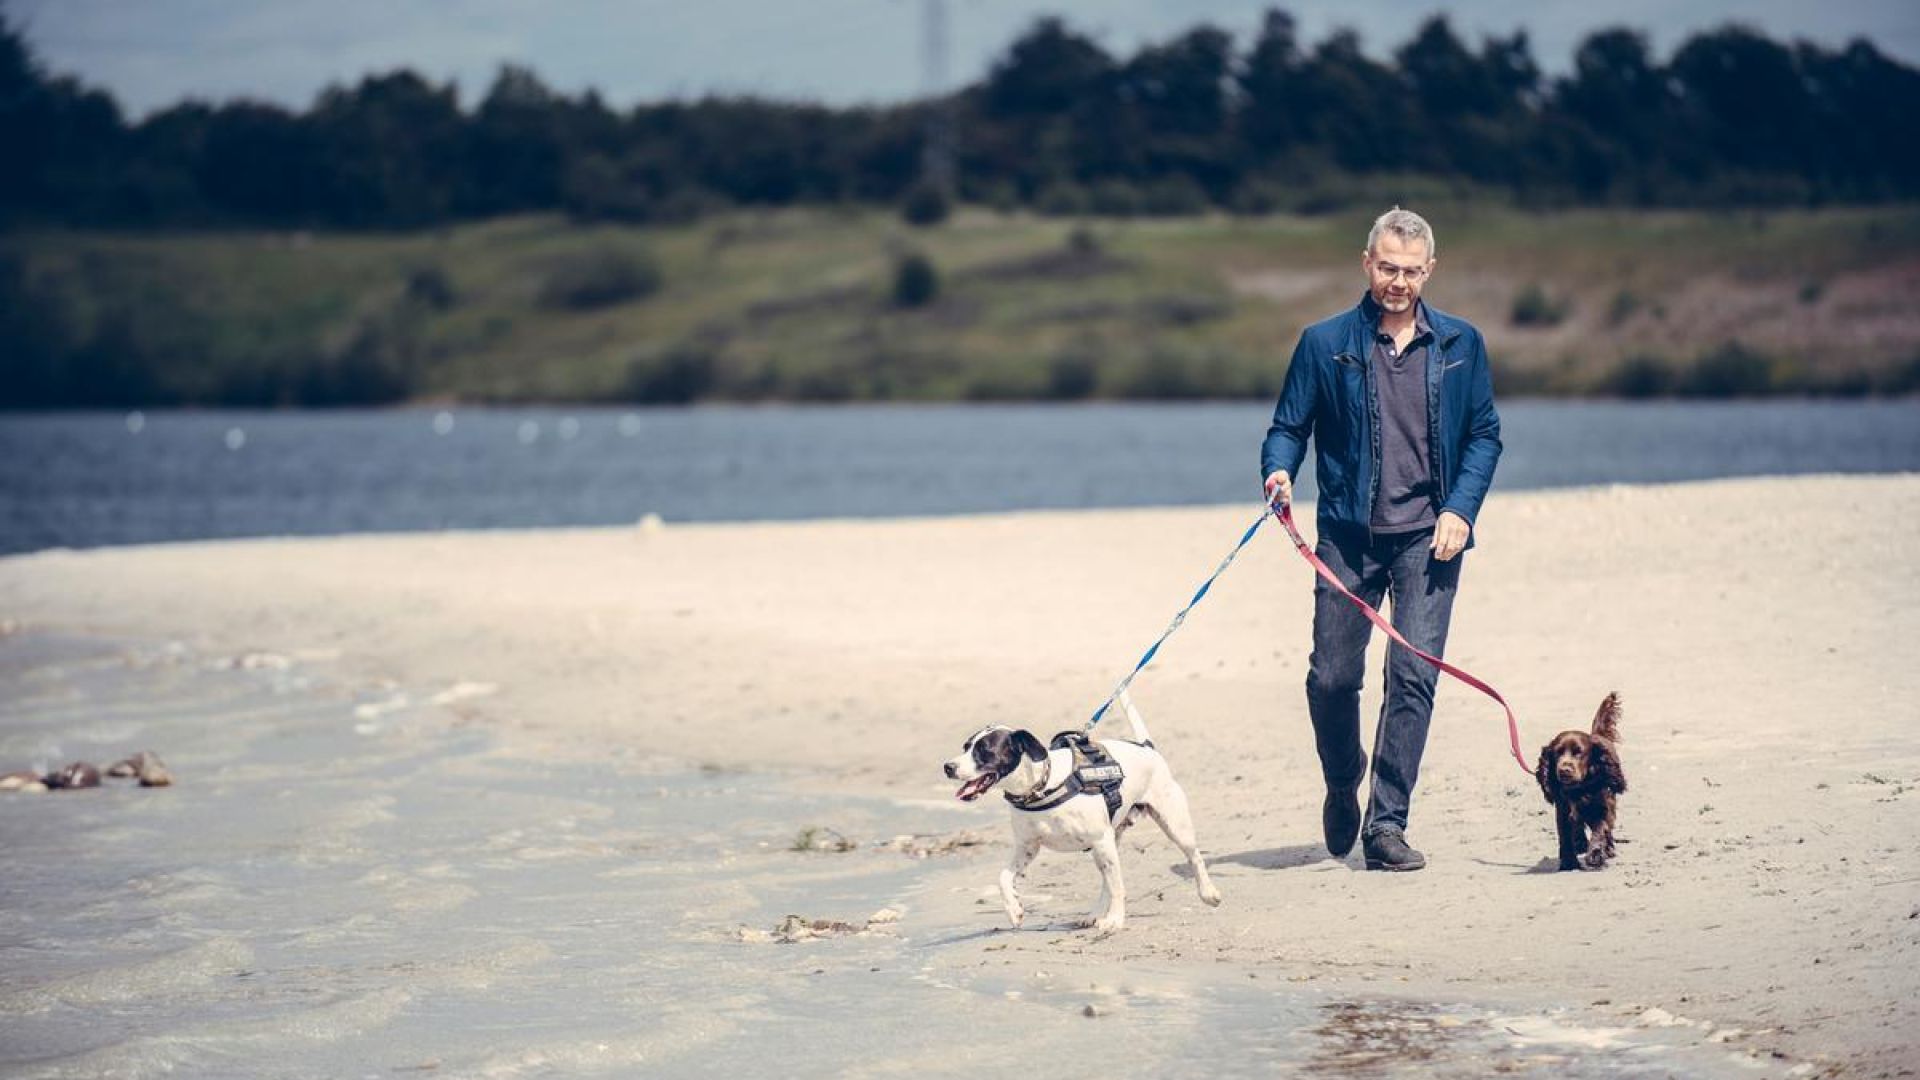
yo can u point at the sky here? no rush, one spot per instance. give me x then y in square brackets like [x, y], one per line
[154, 53]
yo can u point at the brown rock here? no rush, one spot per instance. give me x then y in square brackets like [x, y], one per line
[78, 774]
[152, 771]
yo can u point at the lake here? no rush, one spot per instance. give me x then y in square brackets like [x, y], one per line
[91, 479]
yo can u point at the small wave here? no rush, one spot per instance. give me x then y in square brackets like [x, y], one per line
[166, 975]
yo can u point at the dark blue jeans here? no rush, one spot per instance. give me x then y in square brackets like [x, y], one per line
[1400, 566]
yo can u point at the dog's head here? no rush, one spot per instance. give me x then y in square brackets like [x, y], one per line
[989, 756]
[1576, 760]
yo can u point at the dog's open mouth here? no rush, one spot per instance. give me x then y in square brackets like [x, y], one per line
[976, 787]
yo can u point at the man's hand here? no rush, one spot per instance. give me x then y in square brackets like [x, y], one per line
[1284, 483]
[1449, 535]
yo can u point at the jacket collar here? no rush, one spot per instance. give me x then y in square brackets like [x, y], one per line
[1366, 316]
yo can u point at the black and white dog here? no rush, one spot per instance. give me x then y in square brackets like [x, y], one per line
[1055, 805]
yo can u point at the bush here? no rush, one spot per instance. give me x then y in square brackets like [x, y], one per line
[1533, 307]
[1732, 370]
[1626, 303]
[926, 204]
[1063, 200]
[599, 279]
[1640, 377]
[915, 281]
[1116, 198]
[1072, 376]
[373, 369]
[1259, 196]
[430, 287]
[685, 374]
[1082, 243]
[1168, 374]
[1176, 196]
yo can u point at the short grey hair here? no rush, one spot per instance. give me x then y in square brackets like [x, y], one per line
[1404, 224]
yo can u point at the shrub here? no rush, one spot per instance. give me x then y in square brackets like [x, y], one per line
[684, 374]
[915, 281]
[1626, 303]
[430, 287]
[1072, 375]
[1732, 370]
[1640, 377]
[1116, 198]
[1167, 374]
[1176, 196]
[926, 204]
[599, 279]
[1533, 307]
[1083, 243]
[1063, 200]
[1259, 196]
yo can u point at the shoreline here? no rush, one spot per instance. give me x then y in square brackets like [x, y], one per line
[1746, 623]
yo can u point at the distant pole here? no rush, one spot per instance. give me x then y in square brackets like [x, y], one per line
[936, 158]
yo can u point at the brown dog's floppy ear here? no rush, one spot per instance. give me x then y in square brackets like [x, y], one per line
[1543, 772]
[1029, 746]
[1606, 765]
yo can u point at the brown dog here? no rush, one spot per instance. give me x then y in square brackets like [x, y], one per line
[1580, 773]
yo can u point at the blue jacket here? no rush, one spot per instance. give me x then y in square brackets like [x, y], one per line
[1329, 396]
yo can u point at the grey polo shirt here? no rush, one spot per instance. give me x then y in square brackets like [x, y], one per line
[1405, 501]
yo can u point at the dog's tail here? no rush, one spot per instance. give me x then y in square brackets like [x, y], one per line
[1606, 722]
[1133, 718]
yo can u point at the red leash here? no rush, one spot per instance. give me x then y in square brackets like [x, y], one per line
[1284, 512]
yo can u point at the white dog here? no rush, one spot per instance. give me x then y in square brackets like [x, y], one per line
[1079, 803]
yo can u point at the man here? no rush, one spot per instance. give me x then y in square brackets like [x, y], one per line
[1398, 401]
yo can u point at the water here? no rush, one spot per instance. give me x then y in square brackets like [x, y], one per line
[83, 480]
[354, 880]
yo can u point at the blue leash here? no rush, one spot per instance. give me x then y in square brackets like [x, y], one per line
[1180, 618]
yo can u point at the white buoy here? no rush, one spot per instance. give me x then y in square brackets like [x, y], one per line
[569, 428]
[136, 422]
[236, 438]
[630, 425]
[529, 432]
[442, 422]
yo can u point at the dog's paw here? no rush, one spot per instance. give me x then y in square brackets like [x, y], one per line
[1210, 895]
[1107, 925]
[1016, 916]
[1595, 860]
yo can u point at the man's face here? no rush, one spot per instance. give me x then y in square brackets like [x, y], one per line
[1397, 269]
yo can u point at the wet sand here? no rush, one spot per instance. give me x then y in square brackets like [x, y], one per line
[1765, 907]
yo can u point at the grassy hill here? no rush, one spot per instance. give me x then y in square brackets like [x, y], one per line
[809, 304]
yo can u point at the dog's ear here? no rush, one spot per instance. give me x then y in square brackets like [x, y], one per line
[1543, 772]
[1605, 763]
[1028, 746]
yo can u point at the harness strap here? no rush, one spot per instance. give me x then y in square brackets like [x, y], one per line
[1094, 771]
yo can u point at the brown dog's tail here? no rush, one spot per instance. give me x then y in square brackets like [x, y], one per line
[1606, 722]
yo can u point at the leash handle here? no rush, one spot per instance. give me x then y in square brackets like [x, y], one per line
[1284, 512]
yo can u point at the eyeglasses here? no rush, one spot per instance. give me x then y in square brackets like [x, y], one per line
[1387, 271]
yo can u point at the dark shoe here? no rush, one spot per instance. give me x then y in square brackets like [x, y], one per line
[1340, 820]
[1388, 850]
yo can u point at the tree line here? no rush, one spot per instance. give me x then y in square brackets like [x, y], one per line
[1059, 123]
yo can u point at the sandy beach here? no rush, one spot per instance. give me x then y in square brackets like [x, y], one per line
[1754, 628]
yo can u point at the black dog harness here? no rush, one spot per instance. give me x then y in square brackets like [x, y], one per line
[1094, 772]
